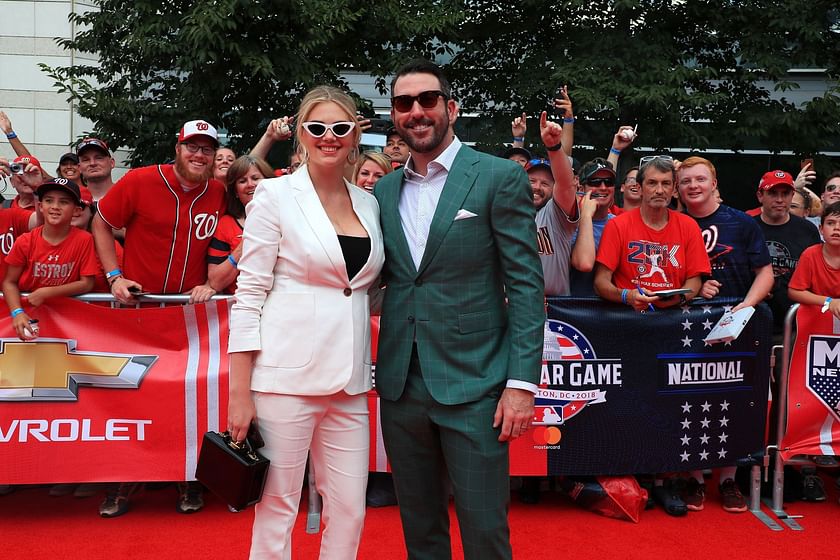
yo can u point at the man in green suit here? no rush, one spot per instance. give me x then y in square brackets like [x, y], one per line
[461, 334]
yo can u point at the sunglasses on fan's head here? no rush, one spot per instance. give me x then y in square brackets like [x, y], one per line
[426, 99]
[648, 159]
[339, 129]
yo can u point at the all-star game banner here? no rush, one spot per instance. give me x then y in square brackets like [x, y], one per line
[111, 394]
[632, 393]
[813, 405]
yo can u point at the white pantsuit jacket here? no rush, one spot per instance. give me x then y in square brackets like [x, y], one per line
[295, 305]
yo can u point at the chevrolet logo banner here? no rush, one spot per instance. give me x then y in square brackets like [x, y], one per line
[111, 394]
[52, 370]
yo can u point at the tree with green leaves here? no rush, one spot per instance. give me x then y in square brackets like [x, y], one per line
[235, 63]
[694, 74]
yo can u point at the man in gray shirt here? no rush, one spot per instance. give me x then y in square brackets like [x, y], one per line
[557, 219]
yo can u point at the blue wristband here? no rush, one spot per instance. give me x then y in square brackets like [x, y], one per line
[614, 151]
[16, 311]
[568, 120]
[233, 261]
[113, 273]
[826, 303]
[624, 296]
[11, 135]
[518, 138]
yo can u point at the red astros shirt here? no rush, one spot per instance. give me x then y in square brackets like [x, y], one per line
[14, 222]
[52, 265]
[168, 229]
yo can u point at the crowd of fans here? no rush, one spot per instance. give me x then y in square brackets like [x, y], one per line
[176, 228]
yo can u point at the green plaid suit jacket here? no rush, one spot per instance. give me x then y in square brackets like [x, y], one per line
[470, 340]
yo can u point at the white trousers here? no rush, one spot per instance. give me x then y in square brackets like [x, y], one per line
[333, 430]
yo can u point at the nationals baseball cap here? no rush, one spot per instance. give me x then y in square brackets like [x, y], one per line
[27, 159]
[198, 128]
[96, 143]
[773, 178]
[61, 184]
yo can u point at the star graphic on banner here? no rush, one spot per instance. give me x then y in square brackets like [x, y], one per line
[727, 308]
[704, 455]
[685, 310]
[724, 405]
[707, 309]
[728, 343]
[684, 456]
[704, 439]
[685, 439]
[686, 325]
[685, 423]
[724, 422]
[723, 437]
[706, 406]
[574, 407]
[586, 350]
[686, 407]
[707, 325]
[721, 453]
[705, 422]
[686, 342]
[575, 337]
[706, 343]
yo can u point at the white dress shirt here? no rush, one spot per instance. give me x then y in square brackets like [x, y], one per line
[418, 201]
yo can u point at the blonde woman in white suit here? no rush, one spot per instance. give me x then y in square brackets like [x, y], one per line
[300, 331]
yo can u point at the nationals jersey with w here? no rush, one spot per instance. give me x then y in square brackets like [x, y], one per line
[167, 229]
[14, 222]
[654, 259]
[45, 264]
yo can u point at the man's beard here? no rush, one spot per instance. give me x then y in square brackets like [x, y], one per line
[439, 131]
[190, 176]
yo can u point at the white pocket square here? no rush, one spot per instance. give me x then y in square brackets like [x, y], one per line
[463, 215]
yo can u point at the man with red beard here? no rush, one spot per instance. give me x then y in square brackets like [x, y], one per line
[169, 213]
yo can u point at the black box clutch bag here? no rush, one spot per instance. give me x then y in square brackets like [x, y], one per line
[233, 471]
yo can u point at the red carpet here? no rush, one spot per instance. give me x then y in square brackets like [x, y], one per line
[36, 526]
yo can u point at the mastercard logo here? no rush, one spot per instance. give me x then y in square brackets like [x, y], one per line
[547, 435]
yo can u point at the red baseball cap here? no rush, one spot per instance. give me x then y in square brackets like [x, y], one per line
[198, 128]
[85, 196]
[773, 178]
[28, 159]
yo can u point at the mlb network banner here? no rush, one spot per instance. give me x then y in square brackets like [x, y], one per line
[629, 393]
[111, 394]
[813, 406]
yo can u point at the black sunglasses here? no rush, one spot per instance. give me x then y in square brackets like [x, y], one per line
[594, 182]
[426, 99]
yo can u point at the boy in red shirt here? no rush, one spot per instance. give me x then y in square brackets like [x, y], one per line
[816, 281]
[52, 260]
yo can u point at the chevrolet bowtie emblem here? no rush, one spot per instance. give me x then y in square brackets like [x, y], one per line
[52, 370]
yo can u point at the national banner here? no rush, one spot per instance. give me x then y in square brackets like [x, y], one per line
[623, 392]
[111, 394]
[813, 404]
